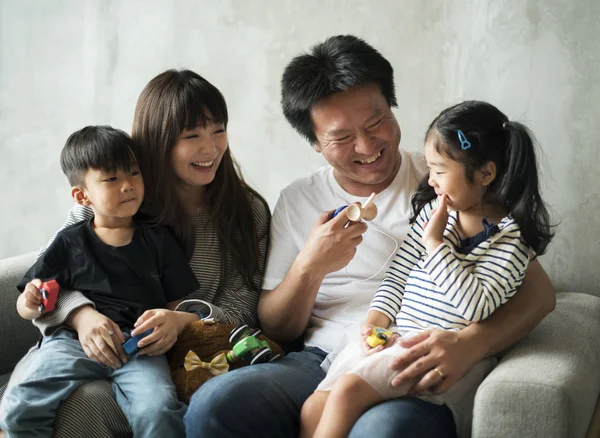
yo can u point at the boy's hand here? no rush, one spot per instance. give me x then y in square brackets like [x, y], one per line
[433, 234]
[91, 325]
[167, 326]
[32, 296]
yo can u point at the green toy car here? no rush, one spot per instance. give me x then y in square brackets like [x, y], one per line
[247, 345]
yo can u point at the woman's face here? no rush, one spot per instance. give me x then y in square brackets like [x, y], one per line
[198, 153]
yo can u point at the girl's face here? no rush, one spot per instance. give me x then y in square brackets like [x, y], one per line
[198, 153]
[448, 178]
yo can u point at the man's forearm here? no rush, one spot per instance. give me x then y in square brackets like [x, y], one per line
[518, 317]
[285, 311]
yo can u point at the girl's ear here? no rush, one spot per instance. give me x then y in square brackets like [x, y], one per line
[79, 195]
[487, 173]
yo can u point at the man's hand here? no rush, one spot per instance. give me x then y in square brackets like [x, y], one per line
[29, 301]
[435, 360]
[331, 245]
[433, 234]
[90, 325]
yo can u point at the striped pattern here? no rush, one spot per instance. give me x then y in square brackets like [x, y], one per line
[446, 289]
[92, 409]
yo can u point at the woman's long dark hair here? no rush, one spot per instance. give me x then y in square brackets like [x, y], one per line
[510, 146]
[171, 102]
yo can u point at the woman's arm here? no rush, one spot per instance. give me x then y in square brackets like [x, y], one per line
[238, 303]
[455, 353]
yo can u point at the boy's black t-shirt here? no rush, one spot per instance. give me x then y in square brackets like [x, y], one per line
[123, 282]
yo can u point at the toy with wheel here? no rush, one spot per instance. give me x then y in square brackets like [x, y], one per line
[247, 345]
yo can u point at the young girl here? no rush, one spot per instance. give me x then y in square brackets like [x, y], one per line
[478, 221]
[193, 187]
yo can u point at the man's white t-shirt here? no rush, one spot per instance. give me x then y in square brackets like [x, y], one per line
[345, 295]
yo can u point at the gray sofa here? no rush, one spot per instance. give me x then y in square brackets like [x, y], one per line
[545, 386]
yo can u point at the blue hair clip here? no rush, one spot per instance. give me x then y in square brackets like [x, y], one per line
[464, 143]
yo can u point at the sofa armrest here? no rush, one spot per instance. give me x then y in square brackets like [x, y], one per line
[18, 335]
[547, 384]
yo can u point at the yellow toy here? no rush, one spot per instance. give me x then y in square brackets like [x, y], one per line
[379, 336]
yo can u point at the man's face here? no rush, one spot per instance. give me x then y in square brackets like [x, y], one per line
[359, 136]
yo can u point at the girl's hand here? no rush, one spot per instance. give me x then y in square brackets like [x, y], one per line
[433, 234]
[435, 360]
[366, 330]
[167, 326]
[89, 325]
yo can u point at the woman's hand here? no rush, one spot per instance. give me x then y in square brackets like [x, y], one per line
[167, 325]
[90, 326]
[435, 360]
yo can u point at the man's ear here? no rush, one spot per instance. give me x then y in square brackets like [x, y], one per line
[487, 173]
[79, 195]
[317, 146]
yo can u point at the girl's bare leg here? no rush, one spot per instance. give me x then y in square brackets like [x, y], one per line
[350, 397]
[312, 409]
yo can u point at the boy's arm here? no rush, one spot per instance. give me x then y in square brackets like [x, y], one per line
[68, 301]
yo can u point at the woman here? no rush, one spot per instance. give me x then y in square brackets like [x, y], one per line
[194, 187]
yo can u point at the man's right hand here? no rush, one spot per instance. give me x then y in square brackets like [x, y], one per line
[89, 325]
[330, 246]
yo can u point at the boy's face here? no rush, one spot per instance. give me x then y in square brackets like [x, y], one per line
[112, 195]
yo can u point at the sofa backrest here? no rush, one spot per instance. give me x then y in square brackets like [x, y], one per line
[16, 334]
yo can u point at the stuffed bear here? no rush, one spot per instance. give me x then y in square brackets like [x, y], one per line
[201, 353]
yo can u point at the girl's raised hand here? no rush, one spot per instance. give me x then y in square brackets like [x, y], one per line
[433, 234]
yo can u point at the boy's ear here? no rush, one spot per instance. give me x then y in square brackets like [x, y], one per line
[487, 173]
[79, 195]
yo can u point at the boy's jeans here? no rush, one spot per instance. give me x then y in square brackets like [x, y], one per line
[143, 389]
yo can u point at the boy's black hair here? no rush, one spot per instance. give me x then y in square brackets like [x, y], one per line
[96, 147]
[339, 63]
[510, 146]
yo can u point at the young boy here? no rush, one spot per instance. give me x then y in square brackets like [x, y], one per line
[125, 268]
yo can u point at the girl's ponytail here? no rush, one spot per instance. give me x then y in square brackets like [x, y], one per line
[518, 188]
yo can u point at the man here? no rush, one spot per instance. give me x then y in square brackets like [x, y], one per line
[321, 276]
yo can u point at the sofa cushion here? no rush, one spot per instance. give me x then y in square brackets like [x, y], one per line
[547, 384]
[18, 335]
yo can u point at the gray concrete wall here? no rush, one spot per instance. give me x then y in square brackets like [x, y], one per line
[68, 63]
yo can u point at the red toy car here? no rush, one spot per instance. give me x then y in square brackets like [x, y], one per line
[49, 291]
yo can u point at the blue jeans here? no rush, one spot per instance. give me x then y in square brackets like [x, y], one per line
[265, 401]
[143, 389]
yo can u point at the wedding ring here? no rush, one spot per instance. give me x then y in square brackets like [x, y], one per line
[111, 332]
[440, 373]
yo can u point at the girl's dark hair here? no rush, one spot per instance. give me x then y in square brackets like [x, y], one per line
[510, 146]
[96, 147]
[172, 102]
[335, 65]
